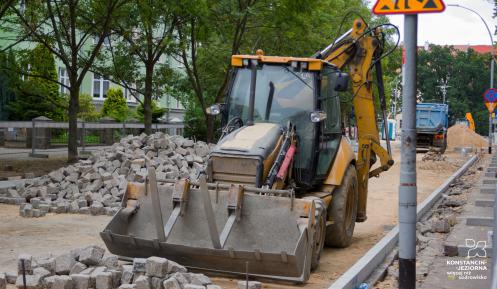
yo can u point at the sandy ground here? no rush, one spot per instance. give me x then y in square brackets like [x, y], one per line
[60, 233]
[55, 234]
[382, 217]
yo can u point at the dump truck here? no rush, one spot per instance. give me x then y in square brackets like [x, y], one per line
[432, 121]
[282, 181]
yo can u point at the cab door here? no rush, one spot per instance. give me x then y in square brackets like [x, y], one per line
[330, 131]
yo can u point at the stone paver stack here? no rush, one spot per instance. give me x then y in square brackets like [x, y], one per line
[96, 185]
[91, 268]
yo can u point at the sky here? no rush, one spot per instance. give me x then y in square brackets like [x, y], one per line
[455, 25]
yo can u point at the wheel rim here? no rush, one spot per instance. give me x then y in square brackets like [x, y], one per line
[319, 238]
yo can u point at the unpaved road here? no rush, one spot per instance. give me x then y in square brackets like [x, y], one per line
[60, 233]
[382, 216]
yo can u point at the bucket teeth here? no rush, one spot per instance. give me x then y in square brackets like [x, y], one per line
[216, 227]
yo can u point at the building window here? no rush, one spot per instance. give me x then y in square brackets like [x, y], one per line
[100, 86]
[127, 93]
[63, 79]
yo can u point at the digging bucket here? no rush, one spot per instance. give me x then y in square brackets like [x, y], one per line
[216, 227]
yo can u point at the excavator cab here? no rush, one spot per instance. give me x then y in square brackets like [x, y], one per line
[300, 91]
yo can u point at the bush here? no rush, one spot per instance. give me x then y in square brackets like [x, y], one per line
[115, 105]
[87, 110]
[157, 112]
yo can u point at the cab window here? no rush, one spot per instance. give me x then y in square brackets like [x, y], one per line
[330, 102]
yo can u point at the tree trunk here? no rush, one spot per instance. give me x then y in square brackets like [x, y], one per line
[147, 100]
[210, 128]
[72, 142]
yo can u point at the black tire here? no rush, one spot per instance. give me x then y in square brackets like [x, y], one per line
[444, 146]
[343, 211]
[319, 234]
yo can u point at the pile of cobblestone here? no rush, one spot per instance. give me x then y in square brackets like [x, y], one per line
[89, 268]
[96, 185]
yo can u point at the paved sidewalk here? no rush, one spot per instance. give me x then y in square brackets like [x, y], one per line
[10, 184]
[468, 249]
[23, 153]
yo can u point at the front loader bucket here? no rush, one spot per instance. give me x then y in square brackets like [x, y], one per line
[216, 228]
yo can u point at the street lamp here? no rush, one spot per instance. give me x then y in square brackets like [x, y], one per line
[443, 87]
[490, 125]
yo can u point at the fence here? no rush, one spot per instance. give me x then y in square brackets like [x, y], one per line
[42, 133]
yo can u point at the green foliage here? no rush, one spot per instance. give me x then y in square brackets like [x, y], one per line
[115, 105]
[7, 82]
[467, 75]
[142, 37]
[157, 112]
[38, 94]
[195, 126]
[211, 31]
[87, 110]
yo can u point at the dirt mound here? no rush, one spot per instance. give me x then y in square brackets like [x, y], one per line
[461, 136]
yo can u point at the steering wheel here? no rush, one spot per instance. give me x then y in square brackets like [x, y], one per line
[234, 123]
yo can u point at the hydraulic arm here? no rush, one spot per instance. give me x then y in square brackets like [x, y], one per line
[359, 50]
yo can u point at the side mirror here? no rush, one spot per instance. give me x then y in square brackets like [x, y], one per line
[214, 109]
[318, 116]
[342, 81]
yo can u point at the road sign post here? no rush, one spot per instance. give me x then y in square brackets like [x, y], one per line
[408, 185]
[490, 99]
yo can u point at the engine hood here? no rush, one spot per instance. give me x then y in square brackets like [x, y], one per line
[255, 140]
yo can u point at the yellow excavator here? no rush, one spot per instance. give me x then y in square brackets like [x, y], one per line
[282, 181]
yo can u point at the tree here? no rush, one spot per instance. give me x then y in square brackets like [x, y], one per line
[38, 87]
[140, 43]
[74, 31]
[157, 112]
[211, 31]
[7, 82]
[4, 6]
[466, 74]
[115, 105]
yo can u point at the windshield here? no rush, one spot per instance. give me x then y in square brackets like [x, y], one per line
[281, 95]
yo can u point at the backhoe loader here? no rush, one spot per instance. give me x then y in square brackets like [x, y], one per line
[282, 181]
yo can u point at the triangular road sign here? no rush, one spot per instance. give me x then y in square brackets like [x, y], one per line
[408, 6]
[490, 106]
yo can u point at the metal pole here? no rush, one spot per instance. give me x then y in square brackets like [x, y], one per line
[489, 132]
[491, 123]
[408, 188]
[33, 138]
[83, 136]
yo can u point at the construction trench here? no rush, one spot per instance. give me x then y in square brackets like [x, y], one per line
[29, 233]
